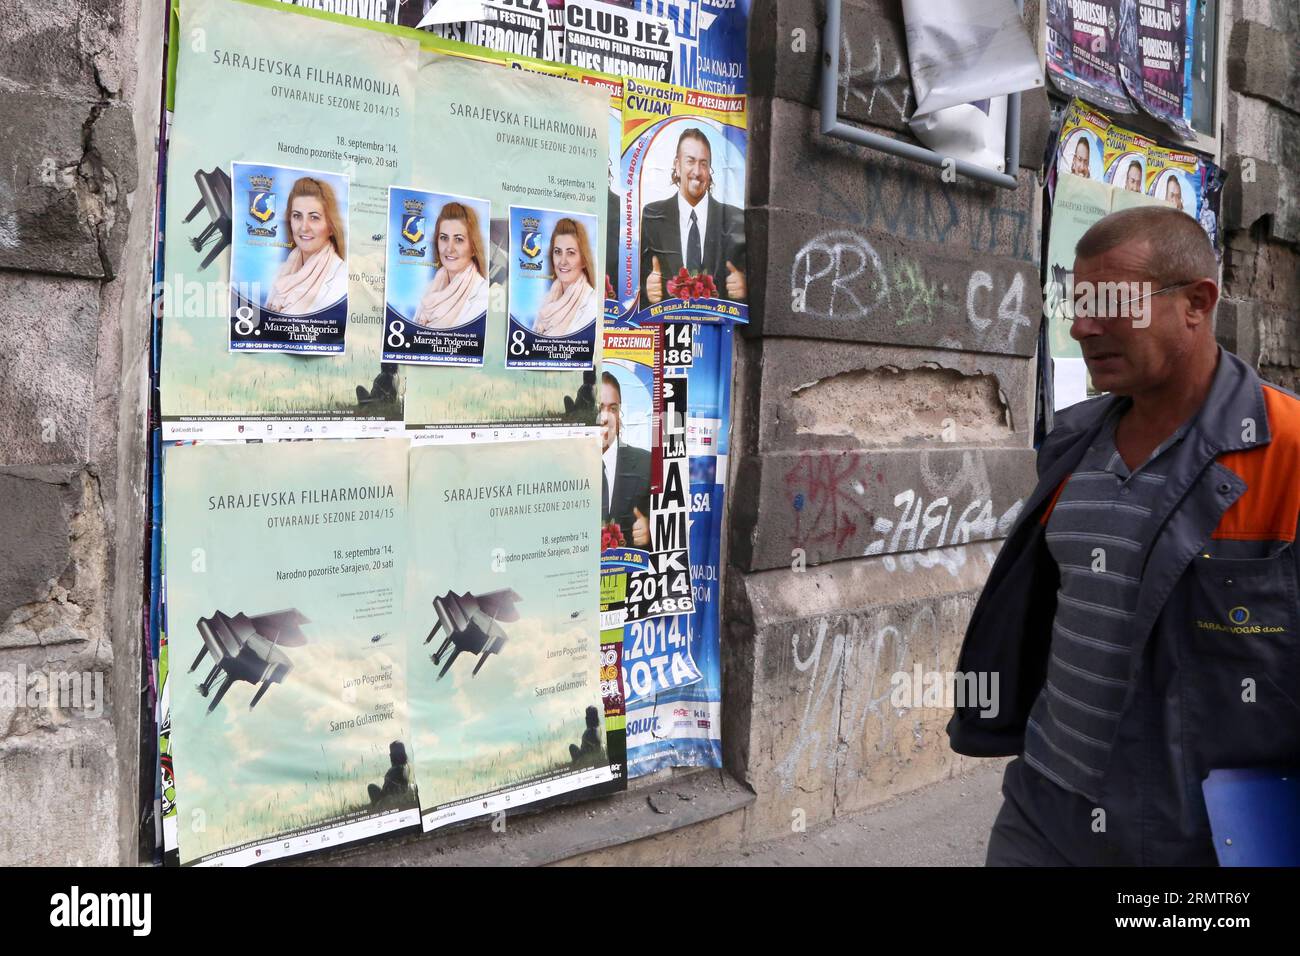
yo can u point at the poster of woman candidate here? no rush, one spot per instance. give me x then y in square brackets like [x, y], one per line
[287, 664]
[288, 265]
[683, 172]
[436, 278]
[556, 294]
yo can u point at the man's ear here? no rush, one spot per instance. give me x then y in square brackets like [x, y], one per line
[1202, 297]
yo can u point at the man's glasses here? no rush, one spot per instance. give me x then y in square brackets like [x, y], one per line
[1102, 302]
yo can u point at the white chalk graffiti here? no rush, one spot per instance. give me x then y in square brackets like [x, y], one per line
[854, 672]
[951, 559]
[839, 275]
[1011, 310]
[857, 277]
[890, 84]
[913, 526]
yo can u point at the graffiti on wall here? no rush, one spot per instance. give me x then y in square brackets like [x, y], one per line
[843, 666]
[839, 275]
[836, 498]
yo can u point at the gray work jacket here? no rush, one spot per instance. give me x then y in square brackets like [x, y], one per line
[1214, 673]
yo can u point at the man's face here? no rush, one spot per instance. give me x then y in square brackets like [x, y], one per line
[1080, 165]
[694, 168]
[1140, 348]
[1174, 193]
[609, 412]
[1133, 182]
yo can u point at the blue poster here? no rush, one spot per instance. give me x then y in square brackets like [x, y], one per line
[672, 671]
[712, 38]
[436, 278]
[289, 263]
[555, 301]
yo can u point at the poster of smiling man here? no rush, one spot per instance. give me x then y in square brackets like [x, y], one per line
[683, 176]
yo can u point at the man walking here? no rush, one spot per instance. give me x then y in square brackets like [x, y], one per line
[1142, 614]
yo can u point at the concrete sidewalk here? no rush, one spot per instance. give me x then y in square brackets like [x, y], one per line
[945, 824]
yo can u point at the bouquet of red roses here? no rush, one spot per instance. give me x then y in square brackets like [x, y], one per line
[611, 536]
[686, 287]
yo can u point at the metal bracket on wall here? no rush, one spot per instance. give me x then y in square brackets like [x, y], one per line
[831, 125]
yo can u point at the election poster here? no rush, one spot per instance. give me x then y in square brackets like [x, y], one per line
[672, 672]
[436, 285]
[503, 631]
[621, 42]
[555, 299]
[286, 664]
[517, 27]
[335, 101]
[631, 405]
[288, 264]
[536, 141]
[1125, 158]
[1173, 177]
[682, 252]
[630, 420]
[1081, 149]
[1091, 145]
[1083, 52]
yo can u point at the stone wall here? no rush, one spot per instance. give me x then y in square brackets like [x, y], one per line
[1261, 135]
[884, 414]
[76, 218]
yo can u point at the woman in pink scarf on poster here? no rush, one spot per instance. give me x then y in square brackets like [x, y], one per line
[458, 292]
[571, 304]
[315, 275]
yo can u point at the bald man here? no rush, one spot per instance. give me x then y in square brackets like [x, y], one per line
[1142, 615]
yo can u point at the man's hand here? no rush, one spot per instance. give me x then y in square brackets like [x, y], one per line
[737, 290]
[654, 282]
[640, 530]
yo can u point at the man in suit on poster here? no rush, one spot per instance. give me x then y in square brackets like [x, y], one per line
[625, 471]
[692, 229]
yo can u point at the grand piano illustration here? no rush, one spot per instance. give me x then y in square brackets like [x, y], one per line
[215, 196]
[472, 625]
[249, 649]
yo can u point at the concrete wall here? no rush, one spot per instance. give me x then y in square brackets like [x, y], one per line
[1261, 130]
[884, 418]
[76, 216]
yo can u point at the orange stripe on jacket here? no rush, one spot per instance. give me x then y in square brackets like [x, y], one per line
[1270, 506]
[1047, 512]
